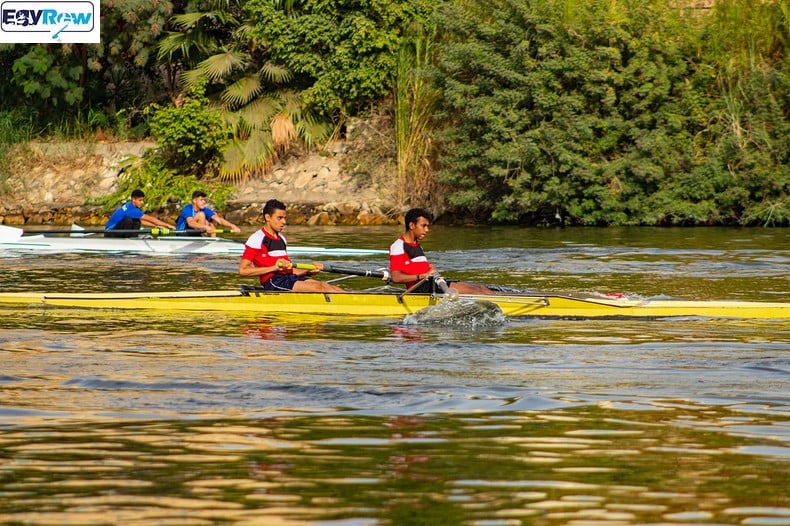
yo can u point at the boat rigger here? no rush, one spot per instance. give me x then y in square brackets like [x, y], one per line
[394, 304]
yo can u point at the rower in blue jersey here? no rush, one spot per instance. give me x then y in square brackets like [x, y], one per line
[131, 217]
[198, 216]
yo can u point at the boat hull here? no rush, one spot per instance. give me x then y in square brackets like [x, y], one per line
[392, 305]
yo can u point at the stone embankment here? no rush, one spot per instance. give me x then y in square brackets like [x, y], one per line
[54, 181]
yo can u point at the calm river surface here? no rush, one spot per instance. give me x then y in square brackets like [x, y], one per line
[185, 419]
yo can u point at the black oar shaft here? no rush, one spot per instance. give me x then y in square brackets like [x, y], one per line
[162, 231]
[337, 269]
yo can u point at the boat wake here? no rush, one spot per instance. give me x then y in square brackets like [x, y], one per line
[458, 313]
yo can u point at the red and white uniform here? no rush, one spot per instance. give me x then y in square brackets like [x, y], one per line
[408, 258]
[264, 249]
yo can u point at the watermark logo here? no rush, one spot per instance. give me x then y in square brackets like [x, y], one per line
[49, 22]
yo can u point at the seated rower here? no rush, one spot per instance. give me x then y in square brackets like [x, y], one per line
[409, 265]
[197, 216]
[131, 217]
[266, 255]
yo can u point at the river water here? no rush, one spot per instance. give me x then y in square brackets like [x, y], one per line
[193, 419]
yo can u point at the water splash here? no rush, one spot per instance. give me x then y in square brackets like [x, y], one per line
[459, 313]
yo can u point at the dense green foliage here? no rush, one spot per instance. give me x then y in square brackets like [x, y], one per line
[214, 45]
[72, 89]
[163, 186]
[607, 113]
[589, 112]
[343, 52]
[191, 136]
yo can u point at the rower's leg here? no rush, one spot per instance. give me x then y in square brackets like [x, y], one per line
[464, 287]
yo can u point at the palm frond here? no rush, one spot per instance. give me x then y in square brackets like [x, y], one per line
[243, 31]
[275, 73]
[260, 112]
[173, 43]
[292, 103]
[189, 21]
[283, 132]
[241, 92]
[186, 21]
[243, 158]
[232, 120]
[234, 166]
[192, 77]
[185, 44]
[314, 131]
[260, 151]
[223, 64]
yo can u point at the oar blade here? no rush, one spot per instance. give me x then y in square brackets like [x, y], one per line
[9, 234]
[79, 231]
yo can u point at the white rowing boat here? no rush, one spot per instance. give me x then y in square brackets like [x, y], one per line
[14, 240]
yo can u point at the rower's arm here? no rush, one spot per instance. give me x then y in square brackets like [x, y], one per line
[396, 276]
[147, 220]
[224, 222]
[194, 225]
[246, 268]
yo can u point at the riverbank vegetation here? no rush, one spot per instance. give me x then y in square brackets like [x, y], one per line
[594, 112]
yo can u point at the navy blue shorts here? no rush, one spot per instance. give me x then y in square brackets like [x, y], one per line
[282, 282]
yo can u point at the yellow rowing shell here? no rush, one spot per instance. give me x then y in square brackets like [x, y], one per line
[389, 304]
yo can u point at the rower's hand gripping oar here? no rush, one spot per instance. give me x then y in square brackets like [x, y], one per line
[449, 293]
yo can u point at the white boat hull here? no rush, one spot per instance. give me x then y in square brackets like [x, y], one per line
[85, 243]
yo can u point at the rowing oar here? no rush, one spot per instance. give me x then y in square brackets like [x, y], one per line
[337, 269]
[155, 231]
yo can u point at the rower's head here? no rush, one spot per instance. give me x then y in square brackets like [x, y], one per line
[198, 200]
[138, 197]
[418, 221]
[274, 215]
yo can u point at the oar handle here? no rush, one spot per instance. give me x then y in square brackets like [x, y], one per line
[451, 294]
[381, 274]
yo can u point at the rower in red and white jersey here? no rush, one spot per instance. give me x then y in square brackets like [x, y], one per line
[266, 255]
[409, 265]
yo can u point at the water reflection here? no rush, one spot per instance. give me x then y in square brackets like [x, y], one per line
[166, 367]
[672, 464]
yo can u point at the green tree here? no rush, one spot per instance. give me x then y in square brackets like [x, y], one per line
[191, 137]
[264, 114]
[78, 87]
[600, 112]
[343, 53]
